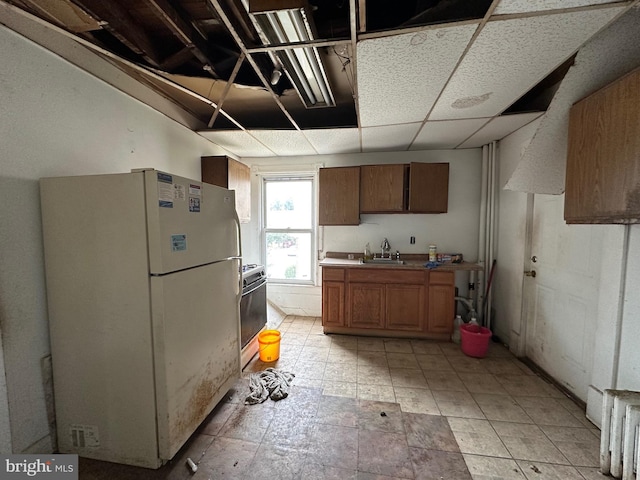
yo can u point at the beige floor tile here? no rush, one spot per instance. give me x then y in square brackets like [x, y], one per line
[545, 471]
[502, 366]
[345, 342]
[402, 360]
[434, 363]
[471, 425]
[501, 408]
[372, 358]
[481, 443]
[590, 473]
[394, 345]
[464, 364]
[339, 372]
[425, 347]
[416, 400]
[340, 389]
[406, 377]
[340, 355]
[580, 445]
[321, 341]
[451, 349]
[379, 393]
[370, 344]
[370, 375]
[444, 381]
[525, 385]
[457, 404]
[316, 354]
[489, 468]
[309, 369]
[308, 382]
[547, 411]
[481, 383]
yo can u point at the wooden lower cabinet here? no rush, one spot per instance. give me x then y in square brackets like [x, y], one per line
[405, 307]
[395, 302]
[333, 303]
[333, 313]
[366, 307]
[441, 302]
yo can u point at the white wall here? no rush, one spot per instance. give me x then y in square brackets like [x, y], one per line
[455, 232]
[57, 120]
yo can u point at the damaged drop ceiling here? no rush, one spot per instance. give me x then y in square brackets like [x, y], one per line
[410, 75]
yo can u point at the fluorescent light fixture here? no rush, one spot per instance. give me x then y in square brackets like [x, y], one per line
[285, 22]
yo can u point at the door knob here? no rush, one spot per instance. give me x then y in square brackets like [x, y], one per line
[530, 273]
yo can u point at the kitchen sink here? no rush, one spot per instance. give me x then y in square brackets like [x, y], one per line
[384, 261]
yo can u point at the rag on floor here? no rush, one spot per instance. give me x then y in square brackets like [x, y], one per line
[269, 383]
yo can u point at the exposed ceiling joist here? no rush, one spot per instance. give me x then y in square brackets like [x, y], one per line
[176, 21]
[121, 25]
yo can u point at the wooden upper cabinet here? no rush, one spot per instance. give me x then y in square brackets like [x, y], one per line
[603, 157]
[229, 173]
[382, 188]
[339, 196]
[428, 187]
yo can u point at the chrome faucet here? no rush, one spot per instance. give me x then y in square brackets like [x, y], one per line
[385, 248]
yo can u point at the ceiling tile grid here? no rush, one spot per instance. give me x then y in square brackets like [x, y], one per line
[237, 142]
[524, 6]
[446, 133]
[285, 142]
[388, 138]
[334, 140]
[498, 128]
[512, 56]
[400, 77]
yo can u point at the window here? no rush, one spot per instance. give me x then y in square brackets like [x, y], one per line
[289, 228]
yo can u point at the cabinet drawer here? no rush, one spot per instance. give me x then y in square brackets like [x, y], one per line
[377, 275]
[441, 278]
[333, 274]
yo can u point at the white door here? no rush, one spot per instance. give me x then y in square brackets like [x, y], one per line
[196, 335]
[561, 301]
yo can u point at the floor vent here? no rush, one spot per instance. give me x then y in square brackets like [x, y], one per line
[619, 435]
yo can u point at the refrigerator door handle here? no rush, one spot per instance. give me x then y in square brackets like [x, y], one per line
[237, 221]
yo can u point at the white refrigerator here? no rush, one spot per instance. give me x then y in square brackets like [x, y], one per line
[143, 288]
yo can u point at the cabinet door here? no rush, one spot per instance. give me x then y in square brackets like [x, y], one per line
[405, 307]
[603, 155]
[382, 188]
[333, 304]
[428, 187]
[229, 173]
[366, 305]
[339, 196]
[441, 302]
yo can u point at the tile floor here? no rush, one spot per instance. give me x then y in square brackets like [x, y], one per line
[370, 408]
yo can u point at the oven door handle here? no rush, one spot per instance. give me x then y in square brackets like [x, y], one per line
[253, 289]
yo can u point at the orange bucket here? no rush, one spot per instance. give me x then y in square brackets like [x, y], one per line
[269, 343]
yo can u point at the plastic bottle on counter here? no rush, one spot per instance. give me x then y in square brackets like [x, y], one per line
[367, 252]
[455, 336]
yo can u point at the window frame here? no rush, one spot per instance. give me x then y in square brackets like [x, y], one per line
[312, 230]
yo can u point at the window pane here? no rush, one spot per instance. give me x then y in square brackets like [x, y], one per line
[289, 256]
[288, 204]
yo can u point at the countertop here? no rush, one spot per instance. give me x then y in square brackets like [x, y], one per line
[410, 264]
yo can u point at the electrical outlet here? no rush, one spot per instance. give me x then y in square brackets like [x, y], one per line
[412, 240]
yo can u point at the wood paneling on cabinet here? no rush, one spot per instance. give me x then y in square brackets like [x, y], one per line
[229, 173]
[339, 196]
[441, 302]
[387, 301]
[382, 188]
[428, 187]
[603, 156]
